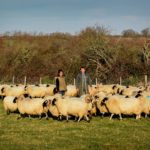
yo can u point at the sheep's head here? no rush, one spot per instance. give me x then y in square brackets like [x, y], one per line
[103, 102]
[15, 100]
[53, 102]
[138, 95]
[88, 99]
[3, 90]
[99, 96]
[121, 92]
[46, 103]
[114, 86]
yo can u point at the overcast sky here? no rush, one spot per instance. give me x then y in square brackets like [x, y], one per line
[71, 16]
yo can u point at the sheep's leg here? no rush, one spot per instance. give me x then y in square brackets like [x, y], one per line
[75, 118]
[145, 115]
[90, 116]
[111, 116]
[60, 117]
[7, 112]
[46, 117]
[67, 118]
[138, 116]
[88, 120]
[40, 117]
[29, 117]
[120, 117]
[79, 119]
[19, 117]
[103, 114]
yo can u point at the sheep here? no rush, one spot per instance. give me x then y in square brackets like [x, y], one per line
[118, 105]
[9, 104]
[93, 90]
[49, 89]
[38, 91]
[35, 106]
[129, 91]
[52, 108]
[99, 97]
[73, 106]
[146, 107]
[108, 89]
[71, 91]
[13, 91]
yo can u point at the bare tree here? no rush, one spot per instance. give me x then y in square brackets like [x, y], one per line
[129, 33]
[146, 32]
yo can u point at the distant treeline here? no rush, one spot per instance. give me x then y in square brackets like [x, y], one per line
[106, 57]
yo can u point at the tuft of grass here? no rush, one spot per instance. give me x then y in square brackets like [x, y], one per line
[100, 133]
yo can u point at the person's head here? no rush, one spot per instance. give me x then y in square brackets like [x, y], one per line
[60, 73]
[82, 69]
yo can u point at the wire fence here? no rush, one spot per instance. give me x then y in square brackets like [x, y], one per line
[142, 81]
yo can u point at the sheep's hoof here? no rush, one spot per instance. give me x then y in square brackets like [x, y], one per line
[88, 121]
[18, 118]
[7, 112]
[47, 118]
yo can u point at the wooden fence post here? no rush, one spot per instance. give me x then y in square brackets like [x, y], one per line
[74, 81]
[40, 80]
[13, 80]
[120, 80]
[145, 80]
[25, 80]
[96, 81]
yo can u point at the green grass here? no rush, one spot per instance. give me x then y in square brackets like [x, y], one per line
[99, 134]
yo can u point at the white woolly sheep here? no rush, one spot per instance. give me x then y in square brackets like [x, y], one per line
[10, 104]
[75, 107]
[128, 106]
[35, 106]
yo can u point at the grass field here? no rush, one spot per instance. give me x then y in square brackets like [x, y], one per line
[99, 134]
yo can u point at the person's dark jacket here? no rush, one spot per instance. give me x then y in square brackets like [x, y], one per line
[79, 83]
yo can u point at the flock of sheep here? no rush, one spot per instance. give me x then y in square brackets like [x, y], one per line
[39, 100]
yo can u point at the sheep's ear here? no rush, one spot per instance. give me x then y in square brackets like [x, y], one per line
[96, 97]
[118, 90]
[2, 90]
[25, 88]
[114, 87]
[121, 93]
[26, 95]
[139, 92]
[14, 101]
[2, 97]
[138, 95]
[88, 99]
[45, 103]
[54, 101]
[47, 85]
[103, 101]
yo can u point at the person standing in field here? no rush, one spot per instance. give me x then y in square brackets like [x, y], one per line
[83, 81]
[61, 86]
